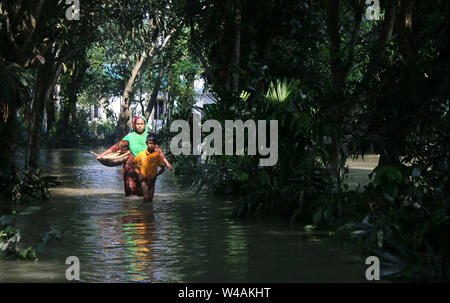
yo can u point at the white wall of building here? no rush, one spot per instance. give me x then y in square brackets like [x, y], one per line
[155, 123]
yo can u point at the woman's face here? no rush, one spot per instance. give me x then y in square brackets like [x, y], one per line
[140, 125]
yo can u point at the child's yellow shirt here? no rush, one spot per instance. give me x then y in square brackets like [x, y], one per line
[149, 163]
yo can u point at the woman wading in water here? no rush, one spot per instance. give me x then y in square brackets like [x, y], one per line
[135, 142]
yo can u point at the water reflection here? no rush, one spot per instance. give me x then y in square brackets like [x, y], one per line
[178, 238]
[236, 250]
[140, 235]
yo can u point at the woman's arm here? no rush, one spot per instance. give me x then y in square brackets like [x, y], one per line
[123, 144]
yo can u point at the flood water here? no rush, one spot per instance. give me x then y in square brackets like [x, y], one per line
[180, 237]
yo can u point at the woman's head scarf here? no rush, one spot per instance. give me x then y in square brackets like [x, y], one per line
[134, 122]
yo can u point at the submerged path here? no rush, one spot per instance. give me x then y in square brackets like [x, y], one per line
[180, 237]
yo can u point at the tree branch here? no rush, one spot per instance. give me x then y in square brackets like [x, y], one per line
[194, 38]
[387, 35]
[359, 9]
[33, 23]
[9, 32]
[334, 39]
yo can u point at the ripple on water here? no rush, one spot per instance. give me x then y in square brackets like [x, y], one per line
[179, 237]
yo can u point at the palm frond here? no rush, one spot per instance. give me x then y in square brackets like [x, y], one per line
[281, 91]
[16, 85]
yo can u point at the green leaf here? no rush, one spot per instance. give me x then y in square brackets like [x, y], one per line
[309, 227]
[380, 238]
[243, 177]
[385, 174]
[390, 257]
[6, 219]
[391, 190]
[356, 233]
[30, 210]
[390, 271]
[395, 175]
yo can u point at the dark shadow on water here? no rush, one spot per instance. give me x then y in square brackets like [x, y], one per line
[179, 237]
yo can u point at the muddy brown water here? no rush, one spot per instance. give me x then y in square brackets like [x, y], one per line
[180, 237]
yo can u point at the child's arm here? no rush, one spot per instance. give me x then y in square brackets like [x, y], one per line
[168, 164]
[163, 157]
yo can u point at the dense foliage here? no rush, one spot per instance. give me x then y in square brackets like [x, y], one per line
[339, 84]
[361, 86]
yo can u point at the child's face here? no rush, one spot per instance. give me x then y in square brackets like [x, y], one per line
[151, 145]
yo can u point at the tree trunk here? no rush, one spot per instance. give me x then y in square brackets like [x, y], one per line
[340, 68]
[378, 54]
[141, 101]
[198, 52]
[155, 91]
[50, 110]
[168, 108]
[264, 54]
[152, 116]
[8, 143]
[237, 50]
[45, 83]
[409, 83]
[125, 110]
[136, 75]
[69, 108]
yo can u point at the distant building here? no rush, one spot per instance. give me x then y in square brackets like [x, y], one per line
[98, 112]
[158, 114]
